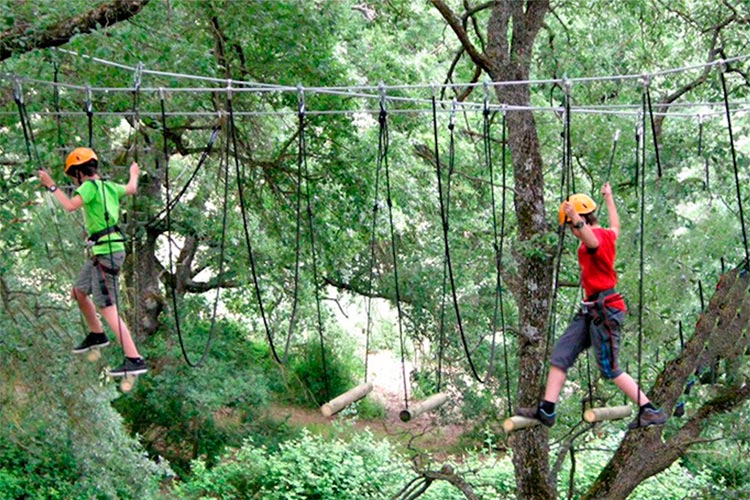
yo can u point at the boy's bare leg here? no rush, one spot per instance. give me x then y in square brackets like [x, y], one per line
[121, 330]
[629, 386]
[86, 305]
[555, 381]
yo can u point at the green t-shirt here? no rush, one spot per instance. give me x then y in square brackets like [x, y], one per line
[98, 195]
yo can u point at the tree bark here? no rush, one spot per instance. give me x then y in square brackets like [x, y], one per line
[721, 333]
[19, 40]
[511, 32]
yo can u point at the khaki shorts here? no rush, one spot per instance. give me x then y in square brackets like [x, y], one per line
[98, 278]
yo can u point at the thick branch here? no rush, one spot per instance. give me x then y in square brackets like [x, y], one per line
[18, 40]
[457, 26]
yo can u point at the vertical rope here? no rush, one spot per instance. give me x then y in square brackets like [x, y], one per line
[504, 139]
[653, 129]
[642, 207]
[373, 240]
[736, 169]
[444, 202]
[303, 162]
[394, 254]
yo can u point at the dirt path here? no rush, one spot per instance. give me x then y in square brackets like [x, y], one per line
[386, 374]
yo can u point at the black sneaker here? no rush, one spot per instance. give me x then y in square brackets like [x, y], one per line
[537, 413]
[92, 341]
[648, 417]
[129, 367]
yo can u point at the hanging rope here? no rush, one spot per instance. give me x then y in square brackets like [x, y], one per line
[566, 180]
[448, 261]
[90, 116]
[222, 247]
[251, 255]
[302, 171]
[204, 155]
[445, 216]
[373, 240]
[653, 128]
[736, 170]
[383, 148]
[641, 165]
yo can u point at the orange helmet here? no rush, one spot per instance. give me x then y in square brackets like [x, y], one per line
[581, 202]
[79, 156]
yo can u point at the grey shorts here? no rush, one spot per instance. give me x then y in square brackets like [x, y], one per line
[592, 329]
[98, 278]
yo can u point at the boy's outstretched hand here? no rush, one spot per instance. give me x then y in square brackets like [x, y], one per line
[134, 169]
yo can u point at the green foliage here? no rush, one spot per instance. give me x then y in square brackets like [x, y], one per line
[59, 436]
[309, 467]
[185, 413]
[321, 375]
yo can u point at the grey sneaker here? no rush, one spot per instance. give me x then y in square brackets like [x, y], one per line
[648, 417]
[92, 341]
[537, 413]
[129, 367]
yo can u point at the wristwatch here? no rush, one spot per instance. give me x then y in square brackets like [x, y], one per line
[578, 225]
[52, 188]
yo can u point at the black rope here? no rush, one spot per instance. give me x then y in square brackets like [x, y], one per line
[56, 100]
[302, 162]
[373, 239]
[444, 216]
[222, 247]
[448, 261]
[90, 116]
[504, 163]
[612, 154]
[204, 155]
[565, 191]
[28, 132]
[653, 130]
[572, 475]
[383, 148]
[251, 254]
[641, 244]
[736, 169]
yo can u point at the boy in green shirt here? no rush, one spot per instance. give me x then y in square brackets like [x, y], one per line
[100, 200]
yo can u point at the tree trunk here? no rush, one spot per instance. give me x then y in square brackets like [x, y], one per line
[511, 62]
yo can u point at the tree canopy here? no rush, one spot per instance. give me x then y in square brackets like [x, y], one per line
[292, 153]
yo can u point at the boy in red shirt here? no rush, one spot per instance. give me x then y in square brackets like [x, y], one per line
[598, 322]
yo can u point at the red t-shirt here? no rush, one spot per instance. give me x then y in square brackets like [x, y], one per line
[598, 265]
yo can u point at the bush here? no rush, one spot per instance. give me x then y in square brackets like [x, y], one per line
[308, 468]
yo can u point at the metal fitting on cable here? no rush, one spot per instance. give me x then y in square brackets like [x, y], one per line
[229, 90]
[137, 76]
[17, 92]
[452, 121]
[486, 98]
[300, 100]
[381, 92]
[89, 105]
[567, 85]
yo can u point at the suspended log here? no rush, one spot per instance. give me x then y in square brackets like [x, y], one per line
[94, 355]
[607, 413]
[339, 403]
[127, 383]
[434, 401]
[517, 422]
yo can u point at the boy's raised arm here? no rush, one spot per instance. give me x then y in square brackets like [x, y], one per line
[69, 204]
[132, 186]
